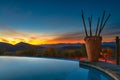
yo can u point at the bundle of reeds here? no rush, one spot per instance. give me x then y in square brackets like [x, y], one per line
[100, 24]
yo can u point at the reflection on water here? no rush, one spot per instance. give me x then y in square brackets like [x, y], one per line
[92, 75]
[23, 68]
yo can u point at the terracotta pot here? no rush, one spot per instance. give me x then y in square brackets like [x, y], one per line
[93, 47]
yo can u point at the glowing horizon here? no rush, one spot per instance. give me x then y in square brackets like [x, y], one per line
[38, 39]
[12, 36]
[39, 42]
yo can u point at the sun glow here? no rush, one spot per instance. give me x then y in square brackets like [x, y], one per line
[15, 41]
[38, 41]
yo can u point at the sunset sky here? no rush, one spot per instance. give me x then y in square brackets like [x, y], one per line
[54, 21]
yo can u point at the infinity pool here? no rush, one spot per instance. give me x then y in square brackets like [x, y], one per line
[26, 68]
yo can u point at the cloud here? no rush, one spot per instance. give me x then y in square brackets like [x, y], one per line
[7, 31]
[3, 40]
[114, 26]
[113, 29]
[112, 33]
[69, 36]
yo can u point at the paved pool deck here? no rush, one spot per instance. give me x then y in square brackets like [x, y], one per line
[111, 69]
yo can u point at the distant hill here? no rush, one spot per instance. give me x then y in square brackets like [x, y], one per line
[21, 46]
[60, 45]
[71, 47]
[109, 44]
[6, 46]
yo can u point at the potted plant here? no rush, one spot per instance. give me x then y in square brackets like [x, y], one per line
[93, 42]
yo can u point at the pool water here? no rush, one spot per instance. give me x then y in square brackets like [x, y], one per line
[26, 68]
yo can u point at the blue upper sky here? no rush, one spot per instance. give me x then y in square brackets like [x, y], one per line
[57, 16]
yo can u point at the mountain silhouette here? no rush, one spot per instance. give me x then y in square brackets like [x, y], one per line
[23, 46]
[8, 47]
[60, 45]
[109, 44]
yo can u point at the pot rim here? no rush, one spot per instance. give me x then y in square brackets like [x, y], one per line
[93, 37]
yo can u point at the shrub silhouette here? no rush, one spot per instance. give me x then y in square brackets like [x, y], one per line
[49, 52]
[2, 50]
[27, 52]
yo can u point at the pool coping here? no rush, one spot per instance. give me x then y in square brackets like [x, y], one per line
[105, 67]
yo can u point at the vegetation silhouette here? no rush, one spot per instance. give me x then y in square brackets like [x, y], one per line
[69, 52]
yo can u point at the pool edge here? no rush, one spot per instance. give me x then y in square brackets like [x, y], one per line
[101, 68]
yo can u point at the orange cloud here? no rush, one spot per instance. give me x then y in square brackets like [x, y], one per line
[71, 37]
[3, 40]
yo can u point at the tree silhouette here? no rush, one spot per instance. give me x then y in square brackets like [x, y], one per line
[49, 52]
[2, 50]
[27, 52]
[83, 50]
